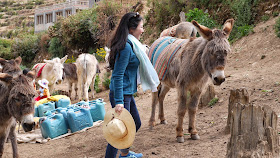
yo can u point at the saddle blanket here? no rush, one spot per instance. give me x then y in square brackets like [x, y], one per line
[162, 51]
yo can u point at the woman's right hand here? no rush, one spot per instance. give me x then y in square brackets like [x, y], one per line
[119, 108]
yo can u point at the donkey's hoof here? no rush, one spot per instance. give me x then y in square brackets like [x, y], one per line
[151, 128]
[180, 139]
[195, 137]
[163, 122]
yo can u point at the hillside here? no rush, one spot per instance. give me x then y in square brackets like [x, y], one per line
[253, 64]
[20, 13]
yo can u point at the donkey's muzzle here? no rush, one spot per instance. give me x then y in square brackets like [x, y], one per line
[58, 81]
[28, 126]
[218, 81]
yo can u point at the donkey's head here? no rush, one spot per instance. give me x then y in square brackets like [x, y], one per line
[215, 52]
[11, 67]
[57, 68]
[20, 103]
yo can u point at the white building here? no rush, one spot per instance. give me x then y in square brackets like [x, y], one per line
[46, 16]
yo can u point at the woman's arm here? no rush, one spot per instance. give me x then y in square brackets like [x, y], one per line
[121, 63]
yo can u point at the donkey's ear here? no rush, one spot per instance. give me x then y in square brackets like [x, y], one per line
[204, 31]
[18, 60]
[5, 77]
[48, 61]
[228, 27]
[107, 50]
[62, 60]
[31, 74]
[2, 61]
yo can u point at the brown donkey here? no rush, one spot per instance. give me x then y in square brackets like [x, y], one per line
[16, 103]
[191, 63]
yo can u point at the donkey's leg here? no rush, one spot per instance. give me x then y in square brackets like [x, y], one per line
[51, 89]
[80, 85]
[85, 88]
[162, 94]
[69, 89]
[3, 138]
[76, 89]
[182, 108]
[92, 85]
[195, 96]
[13, 139]
[152, 121]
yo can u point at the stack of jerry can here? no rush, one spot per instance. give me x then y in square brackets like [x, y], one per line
[53, 126]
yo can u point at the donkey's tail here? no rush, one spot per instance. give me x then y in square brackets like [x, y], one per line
[85, 66]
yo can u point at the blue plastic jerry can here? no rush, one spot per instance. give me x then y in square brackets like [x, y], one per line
[78, 119]
[53, 126]
[43, 108]
[63, 103]
[97, 109]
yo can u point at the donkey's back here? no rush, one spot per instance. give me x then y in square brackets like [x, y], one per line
[87, 66]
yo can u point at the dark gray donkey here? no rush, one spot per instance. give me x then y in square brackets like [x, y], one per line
[16, 104]
[196, 60]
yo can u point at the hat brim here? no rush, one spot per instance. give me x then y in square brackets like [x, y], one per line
[41, 84]
[126, 118]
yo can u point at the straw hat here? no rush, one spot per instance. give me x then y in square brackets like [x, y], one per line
[44, 83]
[119, 129]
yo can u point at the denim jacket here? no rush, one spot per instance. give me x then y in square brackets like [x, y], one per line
[124, 75]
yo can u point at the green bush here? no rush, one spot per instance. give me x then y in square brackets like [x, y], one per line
[96, 84]
[164, 13]
[100, 54]
[26, 46]
[277, 27]
[201, 17]
[275, 14]
[240, 31]
[106, 82]
[5, 48]
[56, 48]
[265, 18]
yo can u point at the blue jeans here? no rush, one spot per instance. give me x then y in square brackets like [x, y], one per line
[129, 104]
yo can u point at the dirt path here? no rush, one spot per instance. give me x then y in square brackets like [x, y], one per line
[253, 63]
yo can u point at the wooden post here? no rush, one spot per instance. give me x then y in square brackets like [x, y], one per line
[253, 130]
[236, 96]
[207, 96]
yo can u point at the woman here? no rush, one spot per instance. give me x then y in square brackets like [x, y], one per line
[124, 63]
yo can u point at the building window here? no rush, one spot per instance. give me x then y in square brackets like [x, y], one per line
[68, 13]
[49, 18]
[40, 19]
[57, 14]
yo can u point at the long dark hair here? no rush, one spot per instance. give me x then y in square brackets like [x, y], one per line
[129, 21]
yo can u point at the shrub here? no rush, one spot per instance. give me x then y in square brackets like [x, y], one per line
[100, 54]
[265, 18]
[56, 48]
[107, 81]
[201, 17]
[26, 46]
[213, 101]
[240, 31]
[96, 84]
[70, 60]
[277, 27]
[5, 48]
[275, 14]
